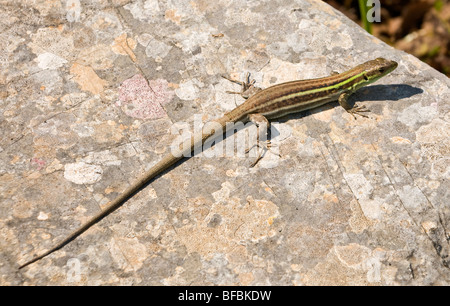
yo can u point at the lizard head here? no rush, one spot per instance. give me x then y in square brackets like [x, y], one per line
[377, 68]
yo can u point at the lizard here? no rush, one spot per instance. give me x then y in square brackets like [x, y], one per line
[260, 106]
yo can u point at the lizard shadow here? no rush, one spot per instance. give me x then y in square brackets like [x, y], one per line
[394, 92]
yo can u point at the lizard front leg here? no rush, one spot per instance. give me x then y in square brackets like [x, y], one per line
[355, 110]
[248, 86]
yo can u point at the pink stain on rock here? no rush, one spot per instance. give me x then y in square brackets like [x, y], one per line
[38, 162]
[142, 100]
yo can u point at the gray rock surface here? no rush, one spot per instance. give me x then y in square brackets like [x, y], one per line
[92, 92]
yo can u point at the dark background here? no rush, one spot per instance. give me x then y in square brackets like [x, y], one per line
[419, 27]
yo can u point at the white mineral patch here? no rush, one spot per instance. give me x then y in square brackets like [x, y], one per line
[360, 186]
[49, 60]
[153, 47]
[187, 91]
[42, 216]
[417, 113]
[106, 158]
[82, 173]
[143, 10]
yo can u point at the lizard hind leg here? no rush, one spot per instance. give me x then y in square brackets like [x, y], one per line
[262, 138]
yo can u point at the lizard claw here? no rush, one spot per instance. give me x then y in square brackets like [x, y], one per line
[248, 86]
[359, 110]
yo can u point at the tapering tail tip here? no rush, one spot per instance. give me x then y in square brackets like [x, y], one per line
[28, 263]
[24, 265]
[33, 260]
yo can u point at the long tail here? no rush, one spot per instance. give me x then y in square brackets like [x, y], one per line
[168, 161]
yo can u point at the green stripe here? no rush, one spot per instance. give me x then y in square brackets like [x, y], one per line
[326, 88]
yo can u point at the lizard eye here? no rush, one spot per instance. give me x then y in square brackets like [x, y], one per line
[365, 77]
[381, 70]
